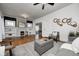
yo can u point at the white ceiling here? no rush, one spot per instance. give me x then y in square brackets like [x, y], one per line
[16, 9]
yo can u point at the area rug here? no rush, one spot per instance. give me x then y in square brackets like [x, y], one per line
[28, 50]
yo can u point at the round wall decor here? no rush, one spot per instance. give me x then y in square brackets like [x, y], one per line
[74, 24]
[55, 20]
[64, 20]
[69, 23]
[69, 20]
[59, 23]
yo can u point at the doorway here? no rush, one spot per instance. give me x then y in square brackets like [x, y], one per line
[39, 29]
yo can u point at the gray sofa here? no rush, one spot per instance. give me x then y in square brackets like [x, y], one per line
[65, 52]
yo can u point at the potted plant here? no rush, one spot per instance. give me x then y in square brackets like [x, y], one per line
[77, 34]
[71, 34]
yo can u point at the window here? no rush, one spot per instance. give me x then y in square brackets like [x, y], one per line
[9, 23]
[29, 24]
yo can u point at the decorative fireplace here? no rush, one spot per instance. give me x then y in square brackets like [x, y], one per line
[21, 33]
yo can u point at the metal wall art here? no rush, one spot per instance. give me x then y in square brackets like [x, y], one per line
[56, 20]
[69, 20]
[59, 23]
[74, 24]
[65, 20]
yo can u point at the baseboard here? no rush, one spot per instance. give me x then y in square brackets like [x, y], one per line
[63, 41]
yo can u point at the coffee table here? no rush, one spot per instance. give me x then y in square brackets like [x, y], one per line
[43, 45]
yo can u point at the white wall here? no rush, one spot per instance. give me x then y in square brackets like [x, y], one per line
[26, 29]
[0, 29]
[16, 30]
[48, 26]
[2, 34]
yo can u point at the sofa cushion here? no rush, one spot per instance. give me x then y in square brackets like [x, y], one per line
[2, 50]
[75, 45]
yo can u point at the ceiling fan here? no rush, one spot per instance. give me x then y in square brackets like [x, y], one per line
[43, 5]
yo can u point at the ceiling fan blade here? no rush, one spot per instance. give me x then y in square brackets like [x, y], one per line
[42, 6]
[51, 4]
[35, 3]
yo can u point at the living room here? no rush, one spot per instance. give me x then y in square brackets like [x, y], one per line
[23, 29]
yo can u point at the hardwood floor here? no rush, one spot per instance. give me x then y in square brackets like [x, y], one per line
[18, 41]
[15, 41]
[23, 40]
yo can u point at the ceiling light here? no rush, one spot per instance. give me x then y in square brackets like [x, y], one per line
[25, 15]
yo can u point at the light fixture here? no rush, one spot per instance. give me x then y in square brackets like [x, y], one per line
[24, 15]
[43, 4]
